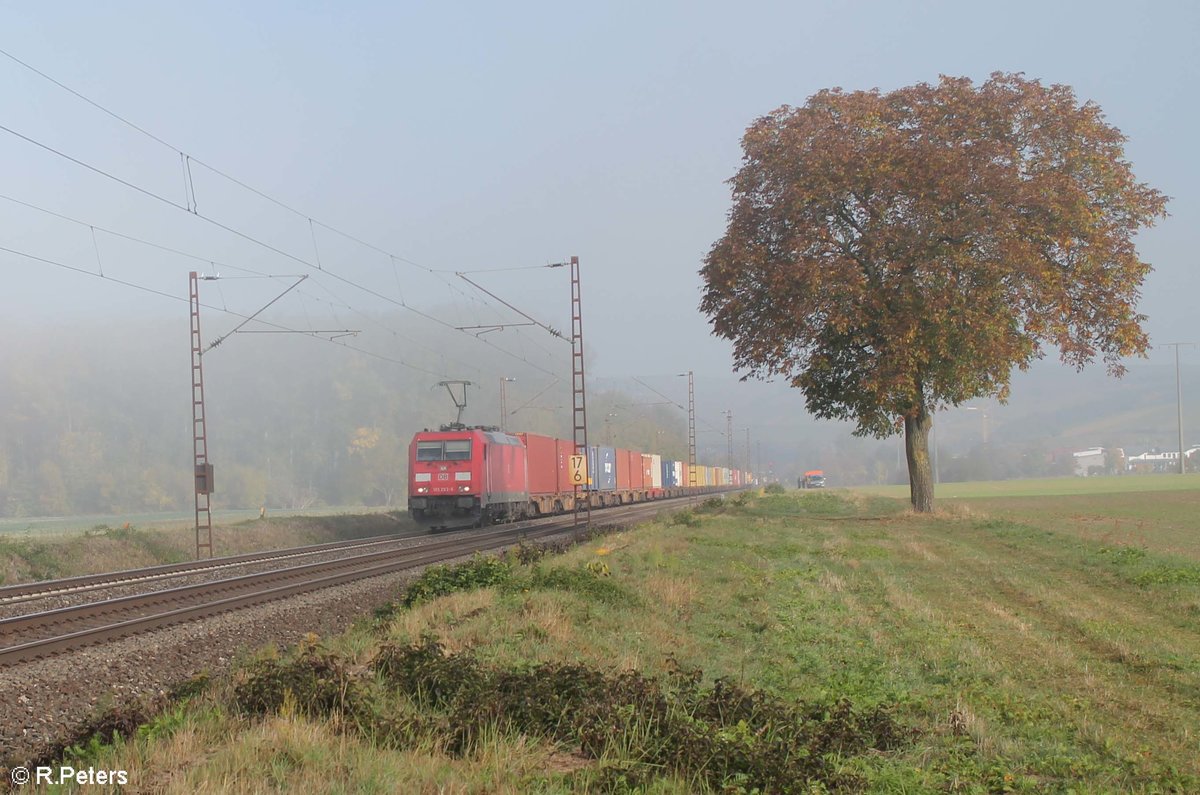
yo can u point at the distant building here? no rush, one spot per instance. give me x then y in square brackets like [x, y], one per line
[1157, 461]
[1090, 461]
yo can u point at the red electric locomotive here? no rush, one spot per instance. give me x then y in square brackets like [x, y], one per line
[466, 477]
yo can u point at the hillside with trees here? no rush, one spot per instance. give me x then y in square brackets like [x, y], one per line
[96, 420]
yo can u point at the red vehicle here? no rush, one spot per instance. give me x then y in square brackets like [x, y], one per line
[550, 488]
[813, 479]
[466, 477]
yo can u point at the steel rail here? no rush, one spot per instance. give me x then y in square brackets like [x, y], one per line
[122, 604]
[84, 582]
[42, 589]
[263, 587]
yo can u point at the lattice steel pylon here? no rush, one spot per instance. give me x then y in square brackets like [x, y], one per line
[745, 467]
[202, 470]
[691, 429]
[729, 437]
[578, 391]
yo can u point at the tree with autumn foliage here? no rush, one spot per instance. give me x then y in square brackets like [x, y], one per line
[895, 254]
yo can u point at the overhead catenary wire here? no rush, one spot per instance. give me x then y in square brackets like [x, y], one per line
[189, 184]
[96, 248]
[674, 403]
[218, 265]
[337, 303]
[90, 167]
[262, 309]
[190, 191]
[181, 299]
[513, 268]
[131, 238]
[533, 320]
[270, 247]
[192, 207]
[699, 418]
[442, 274]
[304, 262]
[501, 326]
[95, 105]
[93, 274]
[535, 397]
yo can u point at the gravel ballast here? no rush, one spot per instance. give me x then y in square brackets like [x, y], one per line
[48, 700]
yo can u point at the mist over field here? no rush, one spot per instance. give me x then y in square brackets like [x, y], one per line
[366, 220]
[316, 146]
[95, 419]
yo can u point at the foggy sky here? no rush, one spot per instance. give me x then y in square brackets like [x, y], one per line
[482, 136]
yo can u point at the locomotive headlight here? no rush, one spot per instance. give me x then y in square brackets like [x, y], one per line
[464, 488]
[422, 489]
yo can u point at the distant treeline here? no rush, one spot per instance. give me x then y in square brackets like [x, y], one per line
[96, 418]
[98, 421]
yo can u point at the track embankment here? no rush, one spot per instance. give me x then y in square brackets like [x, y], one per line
[59, 666]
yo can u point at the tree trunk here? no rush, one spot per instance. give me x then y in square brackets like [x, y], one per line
[916, 449]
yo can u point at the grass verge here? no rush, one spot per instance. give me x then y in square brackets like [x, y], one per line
[844, 643]
[103, 548]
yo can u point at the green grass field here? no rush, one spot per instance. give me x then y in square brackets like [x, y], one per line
[1020, 640]
[1046, 487]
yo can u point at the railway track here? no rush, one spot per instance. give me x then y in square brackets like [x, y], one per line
[31, 591]
[43, 634]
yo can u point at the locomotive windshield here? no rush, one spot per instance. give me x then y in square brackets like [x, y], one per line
[458, 450]
[451, 450]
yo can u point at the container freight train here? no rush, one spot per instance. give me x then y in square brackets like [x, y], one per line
[468, 477]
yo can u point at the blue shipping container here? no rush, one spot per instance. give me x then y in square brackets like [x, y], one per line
[602, 468]
[668, 475]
